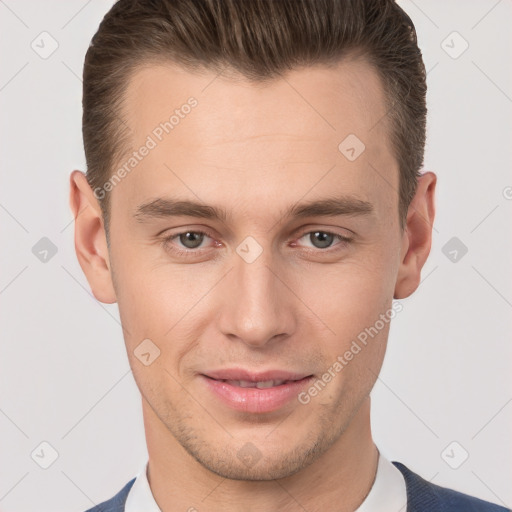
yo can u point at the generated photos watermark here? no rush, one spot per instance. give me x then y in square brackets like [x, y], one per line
[341, 361]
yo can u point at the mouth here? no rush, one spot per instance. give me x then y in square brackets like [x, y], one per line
[262, 384]
[255, 392]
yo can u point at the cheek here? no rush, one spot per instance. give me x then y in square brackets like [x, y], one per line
[350, 295]
[152, 298]
[161, 304]
[350, 300]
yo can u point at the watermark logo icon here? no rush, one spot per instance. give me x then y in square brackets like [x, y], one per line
[249, 249]
[454, 45]
[455, 455]
[44, 455]
[44, 250]
[454, 249]
[351, 147]
[146, 352]
[45, 45]
[249, 454]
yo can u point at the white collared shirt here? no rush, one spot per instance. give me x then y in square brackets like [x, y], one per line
[388, 493]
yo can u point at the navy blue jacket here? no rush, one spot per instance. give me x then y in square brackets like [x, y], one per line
[422, 496]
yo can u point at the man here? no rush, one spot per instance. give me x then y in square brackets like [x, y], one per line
[254, 203]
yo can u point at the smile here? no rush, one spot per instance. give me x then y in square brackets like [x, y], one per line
[256, 393]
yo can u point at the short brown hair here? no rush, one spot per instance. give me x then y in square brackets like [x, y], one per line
[260, 39]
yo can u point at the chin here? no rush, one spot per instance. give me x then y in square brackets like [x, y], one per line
[249, 464]
[263, 471]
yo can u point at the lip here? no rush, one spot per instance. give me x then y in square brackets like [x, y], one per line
[242, 374]
[254, 400]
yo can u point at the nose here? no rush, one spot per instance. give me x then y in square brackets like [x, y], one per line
[258, 307]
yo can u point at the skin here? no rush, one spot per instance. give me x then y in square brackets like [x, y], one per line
[255, 150]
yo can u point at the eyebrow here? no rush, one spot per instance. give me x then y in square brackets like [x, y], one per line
[329, 207]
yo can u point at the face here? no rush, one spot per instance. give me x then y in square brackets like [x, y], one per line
[252, 297]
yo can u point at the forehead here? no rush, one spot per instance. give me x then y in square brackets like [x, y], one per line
[253, 141]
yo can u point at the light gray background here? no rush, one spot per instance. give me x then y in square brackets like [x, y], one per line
[64, 373]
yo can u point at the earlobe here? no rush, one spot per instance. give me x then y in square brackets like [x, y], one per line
[90, 238]
[417, 237]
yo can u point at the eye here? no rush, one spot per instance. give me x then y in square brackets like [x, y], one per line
[186, 243]
[190, 243]
[191, 239]
[324, 239]
[321, 239]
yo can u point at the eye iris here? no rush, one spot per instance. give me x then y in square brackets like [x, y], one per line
[325, 239]
[191, 239]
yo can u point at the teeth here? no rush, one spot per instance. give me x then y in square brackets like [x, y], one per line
[268, 384]
[245, 384]
[260, 385]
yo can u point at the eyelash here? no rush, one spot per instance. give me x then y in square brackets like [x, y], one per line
[166, 242]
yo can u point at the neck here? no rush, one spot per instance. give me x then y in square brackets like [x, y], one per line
[340, 479]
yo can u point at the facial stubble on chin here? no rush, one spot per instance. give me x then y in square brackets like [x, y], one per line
[224, 461]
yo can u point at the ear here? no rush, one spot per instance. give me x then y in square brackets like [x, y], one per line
[90, 238]
[417, 236]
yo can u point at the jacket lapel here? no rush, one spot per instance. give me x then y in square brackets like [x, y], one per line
[420, 495]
